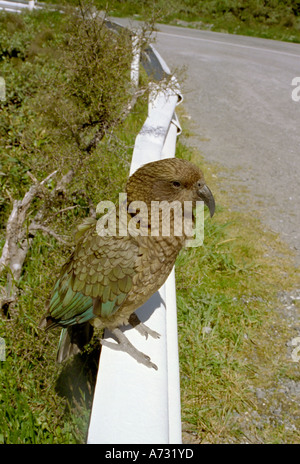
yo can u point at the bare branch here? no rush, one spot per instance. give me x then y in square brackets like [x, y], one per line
[60, 212]
[128, 108]
[96, 139]
[33, 226]
[63, 182]
[49, 177]
[34, 179]
[18, 241]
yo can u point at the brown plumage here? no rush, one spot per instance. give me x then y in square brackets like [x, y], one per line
[108, 277]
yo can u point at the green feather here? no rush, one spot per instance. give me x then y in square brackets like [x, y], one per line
[109, 308]
[96, 278]
[68, 297]
[67, 306]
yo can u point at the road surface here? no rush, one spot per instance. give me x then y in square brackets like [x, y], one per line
[238, 92]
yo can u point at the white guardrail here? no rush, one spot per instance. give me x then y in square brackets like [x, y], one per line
[17, 6]
[134, 404]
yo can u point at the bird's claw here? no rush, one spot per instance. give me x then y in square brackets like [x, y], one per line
[142, 328]
[125, 345]
[145, 331]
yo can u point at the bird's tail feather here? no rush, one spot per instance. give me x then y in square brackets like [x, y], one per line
[72, 340]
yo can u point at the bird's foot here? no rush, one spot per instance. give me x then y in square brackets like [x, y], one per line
[142, 328]
[125, 345]
[145, 331]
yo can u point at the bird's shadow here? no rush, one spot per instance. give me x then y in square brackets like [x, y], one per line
[145, 311]
[77, 379]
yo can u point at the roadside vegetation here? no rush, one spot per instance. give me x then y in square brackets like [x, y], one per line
[233, 339]
[54, 120]
[67, 126]
[270, 19]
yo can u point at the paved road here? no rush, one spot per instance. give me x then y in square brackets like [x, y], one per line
[238, 92]
[240, 101]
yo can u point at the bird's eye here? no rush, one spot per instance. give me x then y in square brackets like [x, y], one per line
[176, 184]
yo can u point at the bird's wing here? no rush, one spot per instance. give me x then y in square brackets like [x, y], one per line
[96, 279]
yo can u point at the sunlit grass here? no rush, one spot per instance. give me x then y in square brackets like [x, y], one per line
[225, 291]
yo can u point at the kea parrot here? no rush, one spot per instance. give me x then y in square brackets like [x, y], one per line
[108, 277]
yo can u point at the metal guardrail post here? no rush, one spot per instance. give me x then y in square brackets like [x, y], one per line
[17, 6]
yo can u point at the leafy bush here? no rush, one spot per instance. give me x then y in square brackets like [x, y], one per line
[67, 115]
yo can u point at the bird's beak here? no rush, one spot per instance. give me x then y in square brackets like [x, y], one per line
[208, 198]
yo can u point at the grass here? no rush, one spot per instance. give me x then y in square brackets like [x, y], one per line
[41, 402]
[227, 292]
[273, 20]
